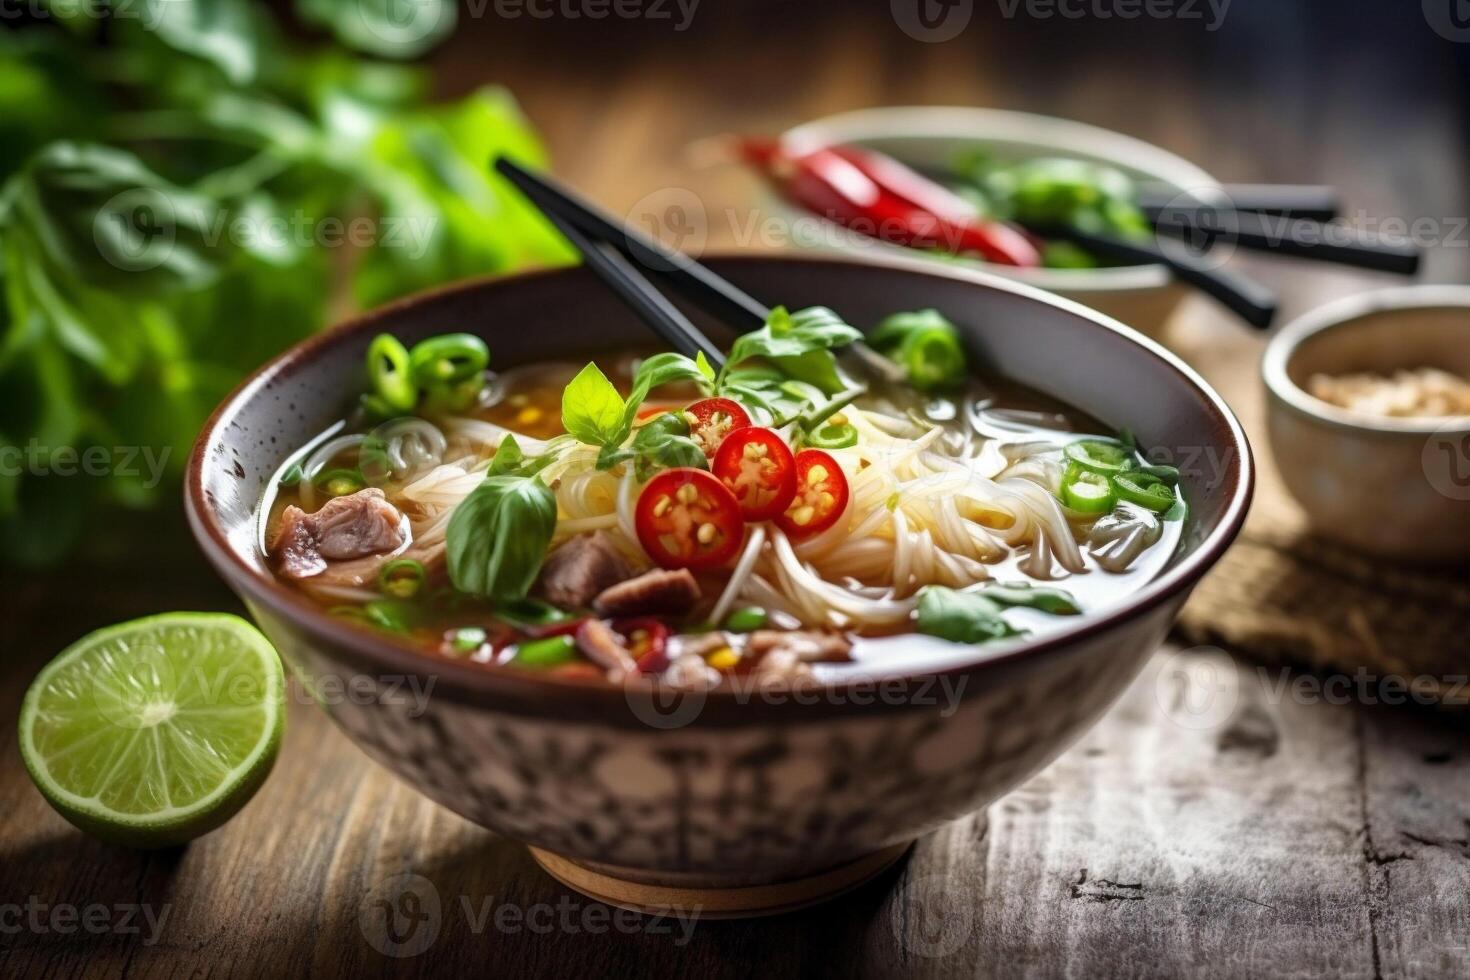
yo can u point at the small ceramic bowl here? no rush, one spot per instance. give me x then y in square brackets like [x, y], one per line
[733, 803]
[930, 138]
[1393, 487]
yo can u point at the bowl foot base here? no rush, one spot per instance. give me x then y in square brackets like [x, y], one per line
[707, 896]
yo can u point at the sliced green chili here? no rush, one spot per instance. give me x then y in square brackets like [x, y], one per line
[746, 620]
[402, 577]
[833, 435]
[339, 482]
[448, 359]
[553, 651]
[292, 476]
[1169, 474]
[1145, 490]
[1100, 456]
[1086, 491]
[389, 371]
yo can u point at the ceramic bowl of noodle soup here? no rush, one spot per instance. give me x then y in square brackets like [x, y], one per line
[719, 632]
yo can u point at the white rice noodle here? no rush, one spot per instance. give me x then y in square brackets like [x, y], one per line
[802, 582]
[489, 434]
[743, 569]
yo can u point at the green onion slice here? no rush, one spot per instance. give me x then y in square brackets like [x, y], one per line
[448, 359]
[389, 371]
[1100, 456]
[1145, 490]
[403, 578]
[1086, 491]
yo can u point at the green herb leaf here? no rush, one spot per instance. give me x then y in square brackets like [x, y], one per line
[961, 617]
[1048, 600]
[591, 408]
[660, 443]
[788, 337]
[498, 536]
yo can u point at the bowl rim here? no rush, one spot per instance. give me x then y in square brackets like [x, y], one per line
[1282, 348]
[980, 124]
[480, 683]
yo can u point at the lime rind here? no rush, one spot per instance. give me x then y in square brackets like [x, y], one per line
[152, 732]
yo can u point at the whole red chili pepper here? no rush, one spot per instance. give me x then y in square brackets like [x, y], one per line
[880, 197]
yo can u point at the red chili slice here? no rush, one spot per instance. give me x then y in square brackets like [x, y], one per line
[758, 468]
[648, 641]
[685, 518]
[821, 495]
[712, 419]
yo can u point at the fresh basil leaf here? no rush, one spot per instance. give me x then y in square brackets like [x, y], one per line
[660, 443]
[498, 536]
[961, 617]
[1048, 600]
[508, 457]
[792, 335]
[591, 408]
[705, 368]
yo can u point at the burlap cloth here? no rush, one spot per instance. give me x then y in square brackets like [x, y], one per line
[1281, 596]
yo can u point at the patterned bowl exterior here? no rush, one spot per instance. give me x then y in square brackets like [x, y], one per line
[743, 791]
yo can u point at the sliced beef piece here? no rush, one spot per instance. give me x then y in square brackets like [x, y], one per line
[574, 574]
[807, 646]
[658, 591]
[604, 647]
[342, 529]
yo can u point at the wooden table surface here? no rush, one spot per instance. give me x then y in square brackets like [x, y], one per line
[1214, 823]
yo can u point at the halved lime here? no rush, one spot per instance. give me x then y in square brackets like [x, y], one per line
[153, 732]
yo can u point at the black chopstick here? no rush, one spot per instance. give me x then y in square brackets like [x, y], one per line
[714, 294]
[635, 290]
[1298, 200]
[1300, 237]
[1249, 300]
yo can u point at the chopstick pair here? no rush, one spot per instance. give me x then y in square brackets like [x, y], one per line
[620, 256]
